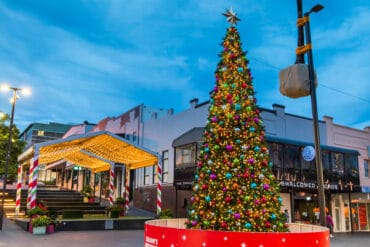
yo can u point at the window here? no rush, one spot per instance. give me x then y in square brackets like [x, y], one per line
[155, 177]
[147, 175]
[40, 133]
[276, 156]
[165, 166]
[185, 156]
[292, 166]
[367, 168]
[337, 162]
[134, 136]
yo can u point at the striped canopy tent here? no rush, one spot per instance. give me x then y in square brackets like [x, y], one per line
[98, 151]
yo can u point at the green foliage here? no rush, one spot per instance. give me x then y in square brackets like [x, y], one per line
[165, 214]
[16, 149]
[72, 214]
[42, 220]
[36, 211]
[87, 191]
[120, 200]
[115, 208]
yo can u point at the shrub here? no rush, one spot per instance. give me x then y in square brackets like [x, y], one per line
[120, 200]
[36, 211]
[87, 191]
[165, 214]
[42, 220]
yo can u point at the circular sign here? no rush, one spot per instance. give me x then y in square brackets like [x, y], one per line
[308, 153]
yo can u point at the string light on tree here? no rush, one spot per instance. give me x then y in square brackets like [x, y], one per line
[234, 188]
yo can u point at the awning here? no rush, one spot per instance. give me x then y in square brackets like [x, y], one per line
[191, 136]
[93, 150]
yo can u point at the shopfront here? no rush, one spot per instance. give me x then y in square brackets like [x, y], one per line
[297, 178]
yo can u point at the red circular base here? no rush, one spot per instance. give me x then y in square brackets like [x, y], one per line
[172, 233]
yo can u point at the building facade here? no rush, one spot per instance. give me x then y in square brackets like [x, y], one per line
[178, 138]
[40, 132]
[356, 204]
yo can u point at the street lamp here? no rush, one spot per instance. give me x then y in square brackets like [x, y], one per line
[13, 100]
[311, 75]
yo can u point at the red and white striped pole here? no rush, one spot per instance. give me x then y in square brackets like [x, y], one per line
[159, 186]
[19, 190]
[127, 189]
[32, 185]
[111, 184]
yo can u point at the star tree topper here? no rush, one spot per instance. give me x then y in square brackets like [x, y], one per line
[231, 16]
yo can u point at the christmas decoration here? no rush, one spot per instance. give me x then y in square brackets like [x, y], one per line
[234, 188]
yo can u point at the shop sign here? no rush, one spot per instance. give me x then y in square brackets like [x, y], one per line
[308, 153]
[306, 185]
[184, 185]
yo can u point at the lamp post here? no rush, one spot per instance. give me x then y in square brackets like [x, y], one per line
[311, 75]
[7, 160]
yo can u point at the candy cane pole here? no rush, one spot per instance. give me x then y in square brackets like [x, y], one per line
[111, 184]
[19, 190]
[32, 187]
[127, 189]
[159, 186]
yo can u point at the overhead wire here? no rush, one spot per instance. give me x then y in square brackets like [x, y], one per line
[330, 88]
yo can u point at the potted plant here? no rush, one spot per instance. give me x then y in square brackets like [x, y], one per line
[87, 191]
[165, 214]
[114, 211]
[122, 202]
[35, 212]
[40, 223]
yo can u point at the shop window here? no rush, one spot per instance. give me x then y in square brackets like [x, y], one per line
[185, 156]
[337, 162]
[165, 166]
[366, 168]
[292, 164]
[276, 155]
[147, 175]
[154, 175]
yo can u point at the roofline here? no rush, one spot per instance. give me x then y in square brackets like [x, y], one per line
[37, 146]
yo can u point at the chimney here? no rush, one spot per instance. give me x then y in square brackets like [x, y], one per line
[194, 102]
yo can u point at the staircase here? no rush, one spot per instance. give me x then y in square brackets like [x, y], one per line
[56, 201]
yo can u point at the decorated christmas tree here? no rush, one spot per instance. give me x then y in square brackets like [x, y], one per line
[234, 187]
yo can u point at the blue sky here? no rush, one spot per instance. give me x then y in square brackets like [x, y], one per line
[89, 59]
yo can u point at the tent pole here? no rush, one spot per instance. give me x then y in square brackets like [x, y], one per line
[32, 185]
[159, 186]
[111, 184]
[127, 188]
[19, 190]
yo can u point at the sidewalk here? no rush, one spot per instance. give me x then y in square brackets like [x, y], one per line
[13, 236]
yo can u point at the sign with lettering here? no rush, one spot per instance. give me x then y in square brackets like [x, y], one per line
[308, 153]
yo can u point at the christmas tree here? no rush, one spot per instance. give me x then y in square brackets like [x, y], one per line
[234, 187]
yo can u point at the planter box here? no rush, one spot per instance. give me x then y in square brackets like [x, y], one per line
[50, 228]
[114, 214]
[39, 230]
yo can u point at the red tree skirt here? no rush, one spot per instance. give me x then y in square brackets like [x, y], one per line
[172, 233]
